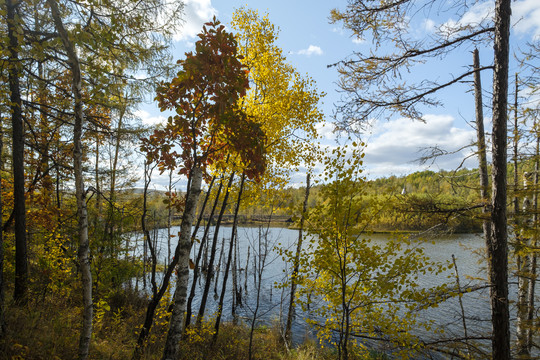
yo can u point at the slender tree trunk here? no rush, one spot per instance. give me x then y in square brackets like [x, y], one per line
[169, 219]
[44, 142]
[97, 218]
[201, 248]
[117, 150]
[218, 266]
[2, 285]
[296, 265]
[146, 232]
[57, 182]
[209, 277]
[21, 260]
[534, 244]
[110, 225]
[498, 249]
[84, 251]
[182, 254]
[462, 308]
[157, 296]
[229, 257]
[258, 270]
[97, 180]
[126, 253]
[246, 276]
[482, 158]
[201, 213]
[521, 243]
[515, 143]
[234, 291]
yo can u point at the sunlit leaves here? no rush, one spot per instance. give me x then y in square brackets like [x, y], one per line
[208, 123]
[282, 101]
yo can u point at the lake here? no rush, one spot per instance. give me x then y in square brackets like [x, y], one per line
[468, 250]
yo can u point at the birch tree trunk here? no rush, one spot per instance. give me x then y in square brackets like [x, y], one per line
[521, 243]
[84, 251]
[184, 246]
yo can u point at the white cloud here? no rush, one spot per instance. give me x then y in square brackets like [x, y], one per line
[196, 13]
[358, 40]
[479, 13]
[476, 15]
[326, 130]
[526, 17]
[148, 119]
[395, 145]
[531, 96]
[311, 50]
[428, 26]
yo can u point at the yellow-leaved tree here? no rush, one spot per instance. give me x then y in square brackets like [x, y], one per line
[284, 102]
[353, 288]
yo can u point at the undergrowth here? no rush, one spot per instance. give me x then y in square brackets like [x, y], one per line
[48, 328]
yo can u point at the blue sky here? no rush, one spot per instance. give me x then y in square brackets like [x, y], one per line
[311, 43]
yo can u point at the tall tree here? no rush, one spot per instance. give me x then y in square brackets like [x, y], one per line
[371, 89]
[19, 210]
[80, 193]
[207, 125]
[2, 280]
[498, 248]
[284, 102]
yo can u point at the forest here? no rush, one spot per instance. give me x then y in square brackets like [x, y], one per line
[93, 266]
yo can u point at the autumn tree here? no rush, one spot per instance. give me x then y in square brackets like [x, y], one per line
[525, 222]
[356, 288]
[83, 252]
[372, 89]
[284, 102]
[74, 51]
[207, 125]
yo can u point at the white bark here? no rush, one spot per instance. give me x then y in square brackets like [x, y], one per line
[176, 323]
[83, 252]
